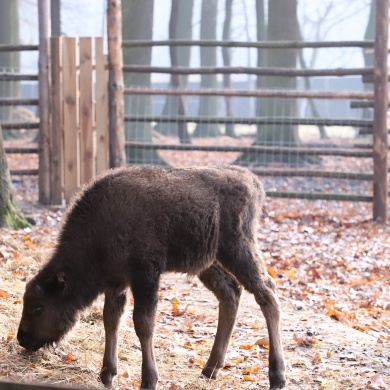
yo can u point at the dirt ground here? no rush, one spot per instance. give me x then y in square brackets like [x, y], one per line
[321, 352]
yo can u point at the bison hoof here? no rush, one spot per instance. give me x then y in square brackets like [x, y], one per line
[210, 372]
[147, 387]
[107, 376]
[277, 381]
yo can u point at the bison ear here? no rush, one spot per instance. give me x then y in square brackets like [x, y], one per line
[61, 277]
[38, 290]
[57, 282]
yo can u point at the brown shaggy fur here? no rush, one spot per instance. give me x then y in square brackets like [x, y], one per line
[131, 225]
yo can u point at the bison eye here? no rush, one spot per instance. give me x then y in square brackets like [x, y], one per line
[36, 311]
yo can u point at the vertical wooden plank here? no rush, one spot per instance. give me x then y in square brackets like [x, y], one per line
[56, 121]
[69, 80]
[44, 101]
[116, 84]
[380, 138]
[87, 157]
[101, 108]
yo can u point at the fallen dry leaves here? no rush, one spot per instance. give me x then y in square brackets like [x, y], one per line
[332, 268]
[332, 261]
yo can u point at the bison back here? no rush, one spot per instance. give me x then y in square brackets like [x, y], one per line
[177, 218]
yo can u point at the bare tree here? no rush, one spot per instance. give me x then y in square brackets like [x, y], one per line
[260, 36]
[10, 216]
[55, 15]
[180, 27]
[368, 55]
[227, 84]
[10, 61]
[208, 105]
[282, 25]
[138, 24]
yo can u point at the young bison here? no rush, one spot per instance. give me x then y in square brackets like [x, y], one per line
[133, 224]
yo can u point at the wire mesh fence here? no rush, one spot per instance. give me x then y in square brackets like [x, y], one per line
[308, 138]
[19, 118]
[312, 139]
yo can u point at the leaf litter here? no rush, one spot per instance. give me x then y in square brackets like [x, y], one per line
[332, 267]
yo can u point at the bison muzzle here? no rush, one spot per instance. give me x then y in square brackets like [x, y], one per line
[128, 227]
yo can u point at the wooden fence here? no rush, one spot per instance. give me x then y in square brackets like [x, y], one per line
[377, 99]
[78, 137]
[78, 122]
[7, 76]
[79, 102]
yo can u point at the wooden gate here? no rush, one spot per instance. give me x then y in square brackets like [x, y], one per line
[79, 114]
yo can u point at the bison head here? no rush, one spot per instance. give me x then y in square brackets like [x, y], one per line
[47, 312]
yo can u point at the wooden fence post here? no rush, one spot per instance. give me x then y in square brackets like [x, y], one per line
[44, 101]
[86, 114]
[380, 136]
[101, 109]
[70, 111]
[116, 84]
[56, 133]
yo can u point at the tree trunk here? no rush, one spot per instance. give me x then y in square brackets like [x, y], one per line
[208, 105]
[229, 128]
[10, 216]
[116, 85]
[182, 23]
[261, 53]
[55, 15]
[138, 24]
[368, 55]
[282, 25]
[9, 61]
[175, 80]
[312, 103]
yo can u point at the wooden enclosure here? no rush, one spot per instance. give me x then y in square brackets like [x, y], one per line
[75, 135]
[377, 151]
[79, 114]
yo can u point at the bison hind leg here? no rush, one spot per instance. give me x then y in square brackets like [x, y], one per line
[228, 292]
[243, 261]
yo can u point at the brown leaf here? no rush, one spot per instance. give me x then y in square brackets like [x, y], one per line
[69, 358]
[272, 272]
[305, 341]
[175, 387]
[29, 243]
[376, 382]
[10, 335]
[263, 342]
[200, 362]
[4, 294]
[246, 346]
[251, 370]
[316, 358]
[239, 360]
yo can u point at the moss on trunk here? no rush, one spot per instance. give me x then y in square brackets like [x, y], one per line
[10, 215]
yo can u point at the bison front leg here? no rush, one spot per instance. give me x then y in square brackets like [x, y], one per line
[228, 292]
[144, 286]
[114, 305]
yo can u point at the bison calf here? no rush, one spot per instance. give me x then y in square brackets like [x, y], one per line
[131, 225]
